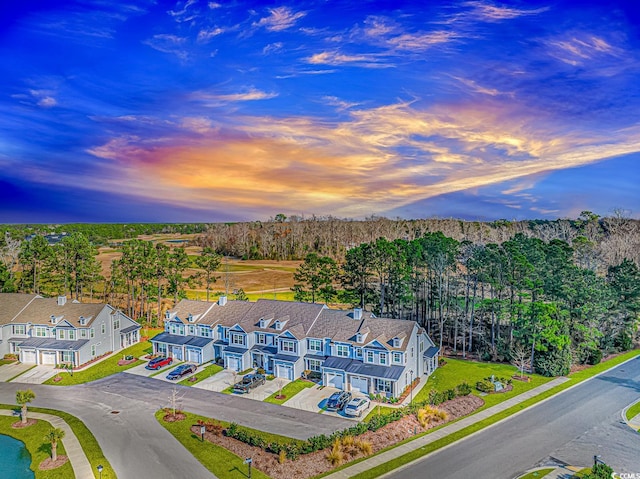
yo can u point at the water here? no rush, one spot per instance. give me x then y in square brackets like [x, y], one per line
[15, 459]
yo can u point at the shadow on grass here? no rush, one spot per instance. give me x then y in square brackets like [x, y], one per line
[242, 473]
[45, 448]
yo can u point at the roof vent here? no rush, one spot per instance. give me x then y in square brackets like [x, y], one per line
[62, 300]
[222, 300]
[357, 313]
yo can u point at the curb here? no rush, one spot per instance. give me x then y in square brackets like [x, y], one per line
[624, 416]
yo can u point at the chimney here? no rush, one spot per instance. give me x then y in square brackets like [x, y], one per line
[357, 313]
[222, 300]
[62, 300]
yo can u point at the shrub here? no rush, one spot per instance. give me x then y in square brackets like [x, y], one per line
[555, 362]
[622, 342]
[594, 357]
[450, 394]
[463, 389]
[428, 414]
[282, 456]
[11, 356]
[261, 371]
[336, 456]
[348, 441]
[365, 447]
[485, 386]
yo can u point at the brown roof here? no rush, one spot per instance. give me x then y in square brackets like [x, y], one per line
[12, 303]
[39, 310]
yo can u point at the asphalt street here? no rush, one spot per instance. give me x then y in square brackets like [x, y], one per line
[119, 410]
[570, 428]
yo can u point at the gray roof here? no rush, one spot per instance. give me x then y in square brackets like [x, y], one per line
[315, 356]
[51, 343]
[265, 349]
[130, 328]
[286, 357]
[431, 352]
[359, 368]
[177, 340]
[236, 350]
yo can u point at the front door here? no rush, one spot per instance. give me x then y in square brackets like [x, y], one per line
[176, 352]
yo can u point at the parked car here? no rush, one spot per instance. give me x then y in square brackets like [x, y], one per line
[357, 406]
[182, 370]
[249, 382]
[338, 400]
[159, 362]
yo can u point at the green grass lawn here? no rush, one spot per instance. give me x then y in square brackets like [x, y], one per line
[290, 390]
[7, 361]
[207, 372]
[104, 368]
[221, 462]
[39, 449]
[457, 371]
[537, 474]
[87, 440]
[633, 411]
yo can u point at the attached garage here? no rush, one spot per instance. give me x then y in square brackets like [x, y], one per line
[334, 380]
[28, 357]
[194, 356]
[48, 357]
[284, 371]
[233, 363]
[359, 384]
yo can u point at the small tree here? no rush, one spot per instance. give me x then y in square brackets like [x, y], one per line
[52, 437]
[520, 359]
[280, 382]
[24, 397]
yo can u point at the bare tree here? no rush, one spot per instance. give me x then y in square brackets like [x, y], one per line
[520, 358]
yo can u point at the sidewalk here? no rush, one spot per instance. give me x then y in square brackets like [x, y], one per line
[79, 462]
[442, 432]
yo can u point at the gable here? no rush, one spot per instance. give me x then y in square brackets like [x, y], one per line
[375, 344]
[287, 335]
[236, 328]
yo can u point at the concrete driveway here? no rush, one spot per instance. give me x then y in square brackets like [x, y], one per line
[38, 375]
[8, 371]
[311, 399]
[218, 382]
[141, 370]
[267, 389]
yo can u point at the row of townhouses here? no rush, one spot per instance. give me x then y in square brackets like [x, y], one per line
[57, 331]
[352, 350]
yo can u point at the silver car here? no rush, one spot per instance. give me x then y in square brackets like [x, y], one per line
[357, 406]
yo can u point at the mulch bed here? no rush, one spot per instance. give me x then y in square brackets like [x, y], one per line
[309, 465]
[124, 362]
[48, 464]
[179, 416]
[20, 424]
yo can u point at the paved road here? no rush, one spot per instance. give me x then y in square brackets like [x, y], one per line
[133, 441]
[570, 428]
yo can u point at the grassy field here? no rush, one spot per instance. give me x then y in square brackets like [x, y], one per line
[633, 411]
[39, 449]
[289, 390]
[104, 368]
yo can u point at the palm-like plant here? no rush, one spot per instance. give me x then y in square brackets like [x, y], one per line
[52, 437]
[24, 397]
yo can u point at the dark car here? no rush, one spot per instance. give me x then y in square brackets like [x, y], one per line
[182, 370]
[338, 400]
[249, 382]
[160, 362]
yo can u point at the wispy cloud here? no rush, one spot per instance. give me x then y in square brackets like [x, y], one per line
[207, 34]
[492, 13]
[168, 43]
[579, 48]
[182, 13]
[280, 18]
[272, 48]
[251, 94]
[335, 58]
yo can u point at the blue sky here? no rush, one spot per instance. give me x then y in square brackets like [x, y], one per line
[219, 111]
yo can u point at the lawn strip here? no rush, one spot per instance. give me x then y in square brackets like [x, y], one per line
[633, 411]
[537, 474]
[207, 372]
[289, 390]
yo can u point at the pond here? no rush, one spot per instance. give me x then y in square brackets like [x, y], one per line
[15, 459]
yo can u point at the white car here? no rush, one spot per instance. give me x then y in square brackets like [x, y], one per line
[357, 406]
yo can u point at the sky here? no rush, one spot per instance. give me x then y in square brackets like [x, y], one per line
[207, 111]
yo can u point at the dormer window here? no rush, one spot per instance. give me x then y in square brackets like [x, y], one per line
[278, 325]
[190, 318]
[83, 321]
[263, 323]
[396, 342]
[359, 338]
[167, 315]
[54, 320]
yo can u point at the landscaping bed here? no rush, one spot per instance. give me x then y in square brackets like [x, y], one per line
[315, 463]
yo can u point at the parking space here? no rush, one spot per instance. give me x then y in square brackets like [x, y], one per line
[311, 399]
[218, 382]
[8, 371]
[38, 374]
[141, 370]
[267, 389]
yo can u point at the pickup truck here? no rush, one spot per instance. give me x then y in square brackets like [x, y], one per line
[249, 382]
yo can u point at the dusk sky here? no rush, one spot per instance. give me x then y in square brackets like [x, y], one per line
[218, 111]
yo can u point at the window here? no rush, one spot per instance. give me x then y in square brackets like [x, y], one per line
[61, 334]
[192, 330]
[383, 358]
[261, 338]
[205, 332]
[411, 352]
[369, 357]
[161, 349]
[19, 329]
[92, 333]
[358, 352]
[225, 334]
[67, 356]
[315, 345]
[116, 322]
[342, 350]
[93, 349]
[397, 357]
[102, 328]
[314, 365]
[383, 385]
[287, 346]
[237, 339]
[72, 334]
[83, 333]
[421, 346]
[40, 332]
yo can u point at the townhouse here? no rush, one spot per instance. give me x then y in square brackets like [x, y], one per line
[57, 331]
[350, 349]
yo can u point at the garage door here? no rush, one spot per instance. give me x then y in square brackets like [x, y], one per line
[233, 363]
[29, 357]
[48, 358]
[360, 384]
[194, 356]
[284, 371]
[334, 380]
